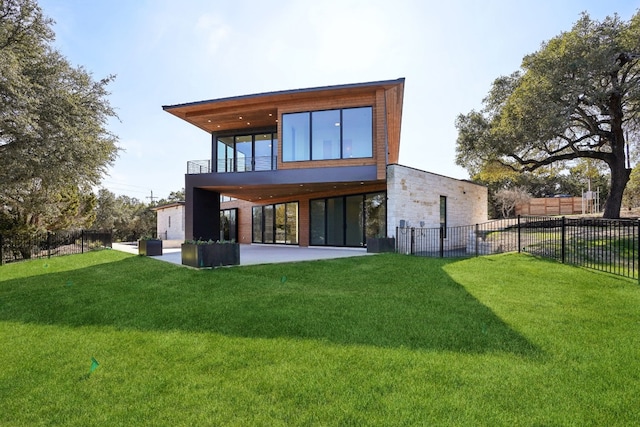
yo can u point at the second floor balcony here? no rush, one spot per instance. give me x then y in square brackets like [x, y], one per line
[239, 164]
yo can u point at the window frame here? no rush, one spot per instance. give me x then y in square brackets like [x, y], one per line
[309, 136]
[231, 163]
[326, 237]
[443, 216]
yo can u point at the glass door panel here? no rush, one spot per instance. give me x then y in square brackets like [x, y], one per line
[257, 224]
[268, 232]
[244, 153]
[335, 222]
[318, 236]
[263, 159]
[353, 223]
[375, 208]
[291, 224]
[225, 154]
[280, 223]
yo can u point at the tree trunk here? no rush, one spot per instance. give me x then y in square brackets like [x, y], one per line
[619, 179]
[619, 172]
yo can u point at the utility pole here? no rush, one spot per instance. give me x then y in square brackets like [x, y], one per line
[151, 197]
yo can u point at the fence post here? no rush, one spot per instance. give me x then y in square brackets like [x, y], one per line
[413, 241]
[1, 250]
[563, 246]
[397, 239]
[519, 241]
[441, 242]
[81, 241]
[637, 255]
[48, 244]
[477, 237]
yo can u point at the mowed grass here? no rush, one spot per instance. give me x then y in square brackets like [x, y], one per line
[379, 340]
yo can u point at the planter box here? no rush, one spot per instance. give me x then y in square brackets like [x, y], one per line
[150, 247]
[210, 254]
[378, 245]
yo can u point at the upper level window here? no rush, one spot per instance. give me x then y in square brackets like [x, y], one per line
[244, 153]
[357, 133]
[295, 129]
[326, 135]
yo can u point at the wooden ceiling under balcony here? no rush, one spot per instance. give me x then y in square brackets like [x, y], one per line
[276, 193]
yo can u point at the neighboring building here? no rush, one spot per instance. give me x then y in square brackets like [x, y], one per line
[170, 221]
[314, 167]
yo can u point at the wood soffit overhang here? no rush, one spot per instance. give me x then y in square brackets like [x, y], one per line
[276, 193]
[260, 111]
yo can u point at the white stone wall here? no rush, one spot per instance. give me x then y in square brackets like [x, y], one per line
[414, 196]
[171, 229]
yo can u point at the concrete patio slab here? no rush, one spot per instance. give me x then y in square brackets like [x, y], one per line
[260, 254]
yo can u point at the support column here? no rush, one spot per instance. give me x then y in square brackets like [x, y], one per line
[202, 214]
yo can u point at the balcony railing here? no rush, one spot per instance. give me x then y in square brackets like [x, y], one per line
[198, 166]
[244, 164]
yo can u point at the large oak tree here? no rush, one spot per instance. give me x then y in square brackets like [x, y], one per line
[577, 97]
[54, 142]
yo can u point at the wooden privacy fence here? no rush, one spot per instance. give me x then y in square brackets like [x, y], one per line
[601, 244]
[551, 206]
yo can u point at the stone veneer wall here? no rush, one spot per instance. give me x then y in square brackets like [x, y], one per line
[414, 196]
[176, 231]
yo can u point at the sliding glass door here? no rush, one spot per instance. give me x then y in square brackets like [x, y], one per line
[347, 220]
[276, 223]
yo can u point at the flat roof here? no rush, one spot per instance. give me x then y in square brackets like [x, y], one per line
[381, 83]
[259, 111]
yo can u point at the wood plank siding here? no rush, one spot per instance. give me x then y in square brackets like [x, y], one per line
[263, 111]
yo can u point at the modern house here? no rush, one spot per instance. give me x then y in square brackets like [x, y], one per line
[314, 167]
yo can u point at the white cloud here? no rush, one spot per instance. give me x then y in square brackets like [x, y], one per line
[214, 31]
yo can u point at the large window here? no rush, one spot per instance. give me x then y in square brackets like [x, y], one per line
[276, 223]
[325, 135]
[348, 220]
[295, 130]
[357, 129]
[244, 153]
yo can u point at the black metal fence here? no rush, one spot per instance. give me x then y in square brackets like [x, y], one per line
[606, 245]
[19, 247]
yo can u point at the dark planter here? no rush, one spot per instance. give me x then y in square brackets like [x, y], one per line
[210, 254]
[150, 247]
[376, 245]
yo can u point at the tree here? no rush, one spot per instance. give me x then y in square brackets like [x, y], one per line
[632, 192]
[128, 218]
[577, 97]
[508, 198]
[174, 196]
[54, 144]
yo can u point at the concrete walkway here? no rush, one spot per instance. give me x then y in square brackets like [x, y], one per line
[260, 254]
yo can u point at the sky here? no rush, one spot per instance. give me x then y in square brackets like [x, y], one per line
[166, 52]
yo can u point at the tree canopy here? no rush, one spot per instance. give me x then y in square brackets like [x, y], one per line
[577, 97]
[54, 142]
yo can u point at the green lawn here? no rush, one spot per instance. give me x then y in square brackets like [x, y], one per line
[381, 340]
